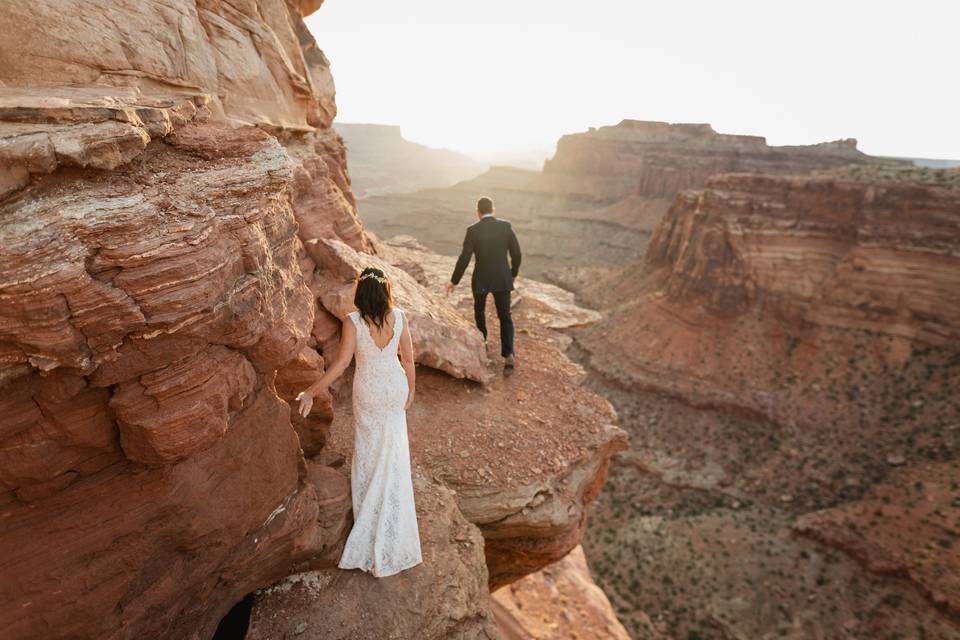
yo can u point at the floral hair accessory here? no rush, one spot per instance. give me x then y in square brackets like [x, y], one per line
[371, 274]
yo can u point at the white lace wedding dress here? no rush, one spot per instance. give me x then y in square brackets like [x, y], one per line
[385, 538]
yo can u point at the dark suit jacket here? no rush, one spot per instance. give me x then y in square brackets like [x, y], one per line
[491, 240]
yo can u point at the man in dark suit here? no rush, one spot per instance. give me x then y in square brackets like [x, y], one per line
[491, 240]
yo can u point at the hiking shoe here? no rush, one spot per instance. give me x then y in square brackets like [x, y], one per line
[509, 361]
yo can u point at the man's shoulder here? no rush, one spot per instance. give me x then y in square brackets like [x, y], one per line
[498, 222]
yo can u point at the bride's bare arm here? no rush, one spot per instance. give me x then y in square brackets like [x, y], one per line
[406, 359]
[348, 344]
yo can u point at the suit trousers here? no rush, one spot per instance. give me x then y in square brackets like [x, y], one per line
[502, 301]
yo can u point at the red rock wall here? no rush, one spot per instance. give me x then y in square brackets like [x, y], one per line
[658, 159]
[151, 286]
[829, 252]
[758, 274]
[175, 212]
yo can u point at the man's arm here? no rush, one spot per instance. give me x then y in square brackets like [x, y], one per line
[463, 260]
[514, 254]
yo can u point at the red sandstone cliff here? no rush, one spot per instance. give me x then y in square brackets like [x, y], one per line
[786, 264]
[177, 237]
[808, 327]
[659, 159]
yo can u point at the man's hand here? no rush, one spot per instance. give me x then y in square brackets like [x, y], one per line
[450, 287]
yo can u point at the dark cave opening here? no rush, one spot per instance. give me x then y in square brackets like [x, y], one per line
[234, 625]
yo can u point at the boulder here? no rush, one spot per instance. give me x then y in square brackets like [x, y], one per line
[443, 597]
[559, 602]
[442, 338]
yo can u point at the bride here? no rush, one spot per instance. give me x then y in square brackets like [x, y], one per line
[385, 538]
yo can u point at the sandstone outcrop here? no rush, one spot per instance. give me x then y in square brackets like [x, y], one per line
[559, 602]
[443, 338]
[757, 272]
[248, 57]
[660, 159]
[444, 597]
[176, 225]
[515, 463]
[145, 312]
[525, 454]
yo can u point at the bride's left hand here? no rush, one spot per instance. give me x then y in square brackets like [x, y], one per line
[409, 401]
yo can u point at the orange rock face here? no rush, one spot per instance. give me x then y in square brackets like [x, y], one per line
[151, 288]
[145, 312]
[177, 234]
[443, 339]
[660, 159]
[558, 602]
[757, 271]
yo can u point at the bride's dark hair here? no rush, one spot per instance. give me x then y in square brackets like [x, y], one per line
[373, 298]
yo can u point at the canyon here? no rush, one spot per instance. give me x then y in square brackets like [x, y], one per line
[736, 412]
[596, 202]
[784, 358]
[778, 337]
[178, 239]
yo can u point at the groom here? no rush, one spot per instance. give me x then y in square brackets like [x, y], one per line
[491, 240]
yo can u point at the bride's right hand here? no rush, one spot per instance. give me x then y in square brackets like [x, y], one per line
[306, 403]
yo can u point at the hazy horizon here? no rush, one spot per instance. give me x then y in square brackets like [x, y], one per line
[507, 76]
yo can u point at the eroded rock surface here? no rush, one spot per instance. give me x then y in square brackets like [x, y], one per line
[558, 602]
[525, 454]
[785, 361]
[444, 339]
[443, 597]
[145, 311]
[176, 233]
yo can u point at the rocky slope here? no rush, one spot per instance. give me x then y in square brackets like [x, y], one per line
[382, 161]
[177, 234]
[599, 198]
[515, 462]
[785, 359]
[526, 609]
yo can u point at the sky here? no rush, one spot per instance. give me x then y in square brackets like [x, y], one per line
[514, 75]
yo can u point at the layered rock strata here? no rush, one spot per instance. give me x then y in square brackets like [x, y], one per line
[177, 231]
[785, 361]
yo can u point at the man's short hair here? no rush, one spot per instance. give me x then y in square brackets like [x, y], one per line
[485, 205]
